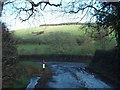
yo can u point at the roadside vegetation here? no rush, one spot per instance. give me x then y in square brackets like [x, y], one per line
[9, 57]
[60, 39]
[28, 70]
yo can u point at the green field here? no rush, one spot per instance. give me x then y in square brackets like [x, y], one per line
[59, 39]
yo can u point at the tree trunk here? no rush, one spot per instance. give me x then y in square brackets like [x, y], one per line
[1, 7]
[118, 40]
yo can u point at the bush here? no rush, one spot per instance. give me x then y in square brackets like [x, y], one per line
[9, 58]
[106, 63]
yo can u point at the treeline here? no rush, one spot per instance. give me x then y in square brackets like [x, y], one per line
[76, 23]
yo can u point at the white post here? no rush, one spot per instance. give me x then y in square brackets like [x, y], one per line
[43, 65]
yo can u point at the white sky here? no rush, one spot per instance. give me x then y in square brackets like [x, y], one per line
[45, 18]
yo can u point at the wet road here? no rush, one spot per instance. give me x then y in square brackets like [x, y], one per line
[73, 75]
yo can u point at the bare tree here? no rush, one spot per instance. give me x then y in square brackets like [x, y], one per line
[28, 7]
[106, 14]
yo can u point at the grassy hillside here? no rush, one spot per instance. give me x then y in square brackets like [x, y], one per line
[59, 39]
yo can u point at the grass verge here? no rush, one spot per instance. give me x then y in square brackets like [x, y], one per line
[27, 69]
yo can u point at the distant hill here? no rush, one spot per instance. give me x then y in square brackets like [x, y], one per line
[61, 38]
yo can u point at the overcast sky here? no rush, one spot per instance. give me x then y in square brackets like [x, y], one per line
[48, 16]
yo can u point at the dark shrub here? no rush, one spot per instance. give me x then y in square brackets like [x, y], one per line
[9, 58]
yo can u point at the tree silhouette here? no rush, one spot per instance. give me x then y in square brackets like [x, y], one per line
[9, 55]
[9, 58]
[106, 14]
[109, 17]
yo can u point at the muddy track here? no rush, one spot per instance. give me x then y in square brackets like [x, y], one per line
[74, 75]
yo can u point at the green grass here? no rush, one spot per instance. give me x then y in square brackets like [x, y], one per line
[46, 49]
[32, 49]
[27, 33]
[28, 69]
[60, 39]
[22, 82]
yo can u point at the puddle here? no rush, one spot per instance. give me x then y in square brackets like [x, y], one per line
[33, 83]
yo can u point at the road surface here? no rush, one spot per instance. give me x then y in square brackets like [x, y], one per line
[73, 75]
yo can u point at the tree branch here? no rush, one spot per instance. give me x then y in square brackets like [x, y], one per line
[39, 3]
